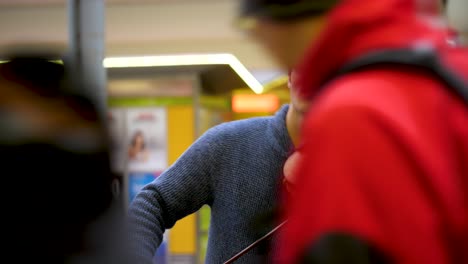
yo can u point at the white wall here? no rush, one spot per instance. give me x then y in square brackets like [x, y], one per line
[457, 11]
[142, 27]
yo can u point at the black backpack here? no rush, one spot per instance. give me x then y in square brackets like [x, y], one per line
[425, 59]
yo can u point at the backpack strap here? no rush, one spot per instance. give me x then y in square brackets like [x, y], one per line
[425, 59]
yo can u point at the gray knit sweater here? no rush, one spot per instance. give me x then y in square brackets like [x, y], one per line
[234, 168]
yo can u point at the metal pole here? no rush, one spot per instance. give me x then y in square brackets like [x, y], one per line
[86, 48]
[85, 61]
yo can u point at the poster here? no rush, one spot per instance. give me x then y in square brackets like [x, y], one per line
[116, 124]
[136, 181]
[146, 139]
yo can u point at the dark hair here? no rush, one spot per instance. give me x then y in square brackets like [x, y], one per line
[65, 190]
[48, 79]
[38, 74]
[285, 10]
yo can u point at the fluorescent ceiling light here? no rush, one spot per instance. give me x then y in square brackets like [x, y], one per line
[187, 60]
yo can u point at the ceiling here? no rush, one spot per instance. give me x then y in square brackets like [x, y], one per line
[148, 27]
[63, 2]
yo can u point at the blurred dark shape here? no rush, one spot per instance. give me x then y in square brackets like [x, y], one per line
[285, 10]
[343, 248]
[58, 204]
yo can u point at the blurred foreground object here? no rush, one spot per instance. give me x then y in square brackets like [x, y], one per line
[58, 202]
[384, 157]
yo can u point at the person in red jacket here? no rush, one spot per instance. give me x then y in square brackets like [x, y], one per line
[383, 170]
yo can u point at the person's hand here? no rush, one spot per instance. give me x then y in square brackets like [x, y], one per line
[290, 171]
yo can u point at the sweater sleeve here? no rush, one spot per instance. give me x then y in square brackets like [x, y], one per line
[178, 192]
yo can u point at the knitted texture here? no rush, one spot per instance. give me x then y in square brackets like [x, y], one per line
[234, 168]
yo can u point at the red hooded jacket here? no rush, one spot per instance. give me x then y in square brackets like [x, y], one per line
[385, 150]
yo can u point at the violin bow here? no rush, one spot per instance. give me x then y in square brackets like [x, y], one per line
[254, 244]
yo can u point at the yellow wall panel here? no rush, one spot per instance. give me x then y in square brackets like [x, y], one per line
[181, 134]
[181, 130]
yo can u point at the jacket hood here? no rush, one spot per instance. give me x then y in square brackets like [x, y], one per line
[357, 27]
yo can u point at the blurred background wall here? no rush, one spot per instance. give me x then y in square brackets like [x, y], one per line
[139, 27]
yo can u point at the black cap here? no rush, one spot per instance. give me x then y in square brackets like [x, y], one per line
[284, 10]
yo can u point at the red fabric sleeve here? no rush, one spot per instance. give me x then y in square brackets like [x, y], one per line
[358, 177]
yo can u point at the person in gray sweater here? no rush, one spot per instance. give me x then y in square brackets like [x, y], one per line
[235, 168]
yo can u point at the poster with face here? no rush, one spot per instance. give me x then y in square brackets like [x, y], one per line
[116, 119]
[146, 139]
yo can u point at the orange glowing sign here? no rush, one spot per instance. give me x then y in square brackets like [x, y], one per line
[251, 103]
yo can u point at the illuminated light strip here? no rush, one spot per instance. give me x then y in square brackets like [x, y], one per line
[184, 60]
[245, 75]
[187, 60]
